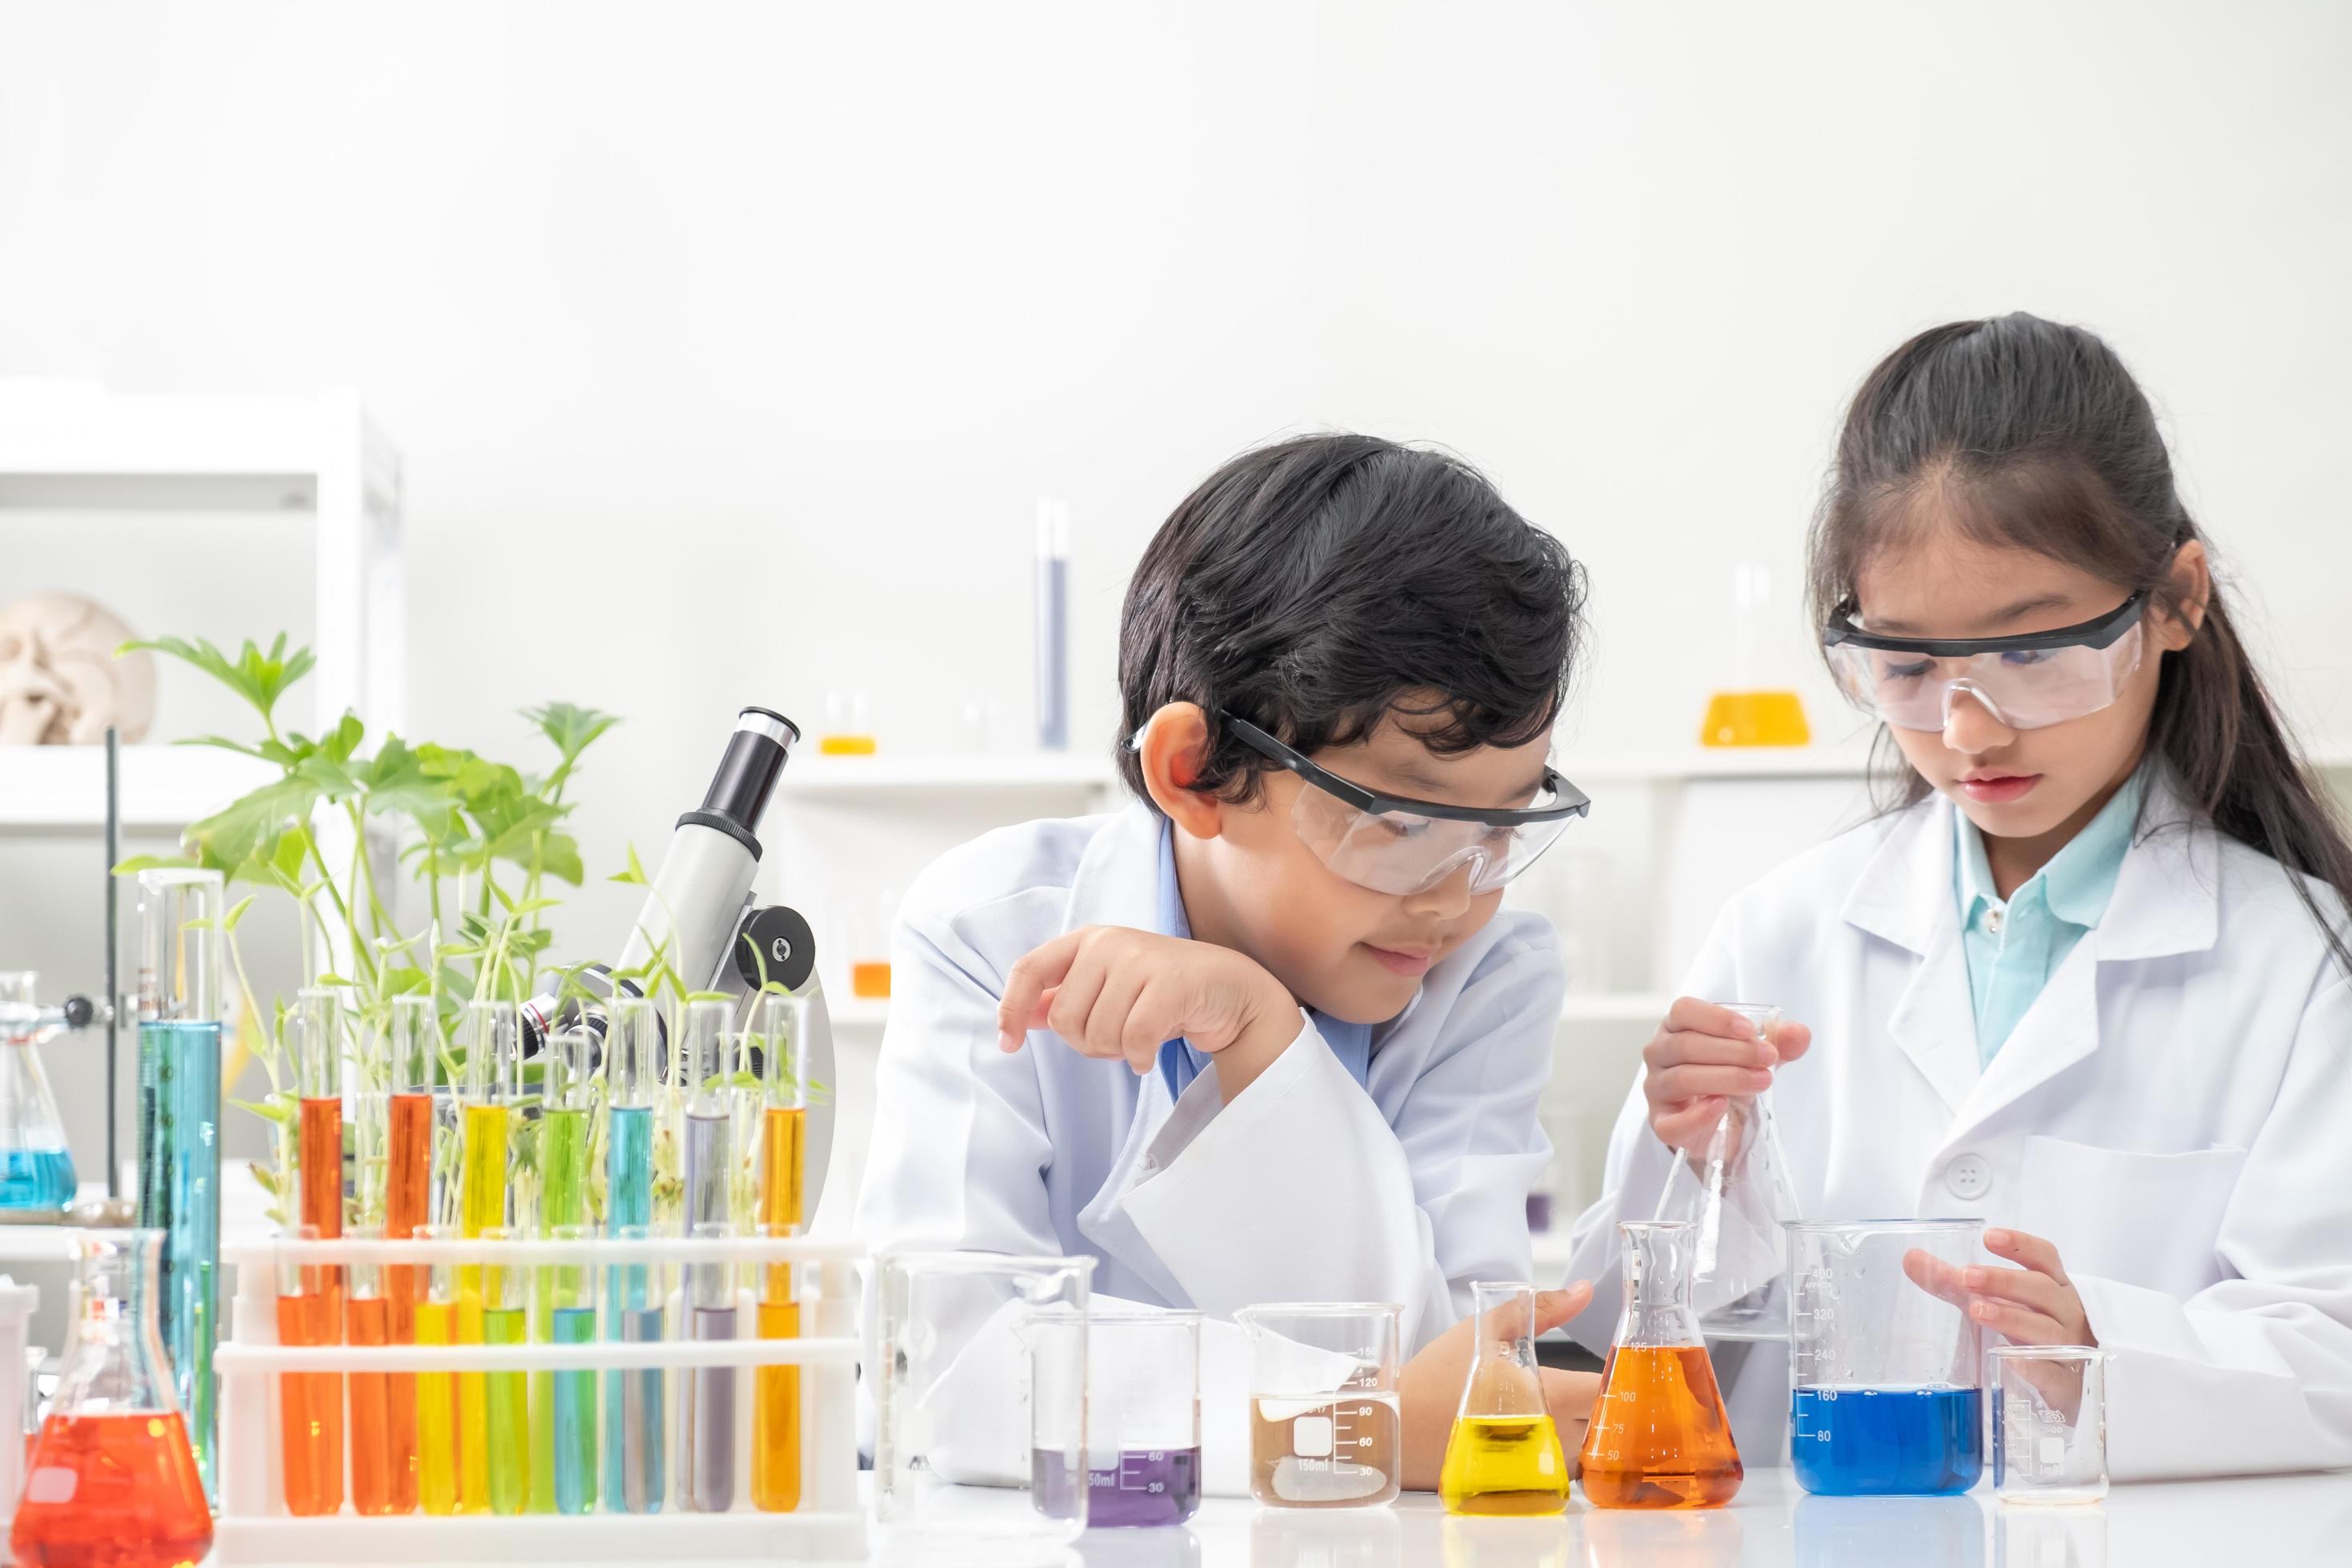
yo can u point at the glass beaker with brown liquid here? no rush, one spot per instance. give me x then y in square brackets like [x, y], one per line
[1323, 1402]
[1659, 1437]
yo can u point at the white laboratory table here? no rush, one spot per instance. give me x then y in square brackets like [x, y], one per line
[2290, 1520]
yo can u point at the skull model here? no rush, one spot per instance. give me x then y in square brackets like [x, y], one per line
[60, 684]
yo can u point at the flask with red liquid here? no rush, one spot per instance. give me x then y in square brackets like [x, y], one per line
[113, 1481]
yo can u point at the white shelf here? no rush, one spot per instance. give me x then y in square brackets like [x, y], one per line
[858, 1012]
[52, 429]
[1613, 1007]
[162, 786]
[813, 775]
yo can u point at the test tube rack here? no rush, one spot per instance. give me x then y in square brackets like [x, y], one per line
[829, 1526]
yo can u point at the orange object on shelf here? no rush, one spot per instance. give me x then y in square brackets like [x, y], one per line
[1755, 719]
[118, 1489]
[870, 977]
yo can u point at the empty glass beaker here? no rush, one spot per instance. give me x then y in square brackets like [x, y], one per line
[112, 1477]
[1885, 1379]
[1736, 1192]
[1504, 1453]
[1659, 1435]
[2049, 1421]
[1141, 1444]
[36, 1169]
[975, 1371]
[1324, 1423]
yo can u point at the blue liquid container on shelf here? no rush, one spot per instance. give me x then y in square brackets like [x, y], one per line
[36, 1169]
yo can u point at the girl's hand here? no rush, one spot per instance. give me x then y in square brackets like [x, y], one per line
[1116, 993]
[1429, 1389]
[1702, 1055]
[2034, 1304]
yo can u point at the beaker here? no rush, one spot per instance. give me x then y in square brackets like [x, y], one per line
[1659, 1437]
[1504, 1453]
[1753, 711]
[36, 1169]
[112, 1477]
[1138, 1460]
[1735, 1190]
[1324, 1423]
[2049, 1421]
[970, 1380]
[1885, 1378]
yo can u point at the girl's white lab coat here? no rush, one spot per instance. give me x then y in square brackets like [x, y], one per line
[2174, 1112]
[1307, 1188]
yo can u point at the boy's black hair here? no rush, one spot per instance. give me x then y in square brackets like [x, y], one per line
[1316, 584]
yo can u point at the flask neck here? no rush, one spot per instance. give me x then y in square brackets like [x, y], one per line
[1658, 1286]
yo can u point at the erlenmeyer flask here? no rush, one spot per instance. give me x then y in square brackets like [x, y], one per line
[1503, 1455]
[112, 1478]
[1735, 1192]
[35, 1167]
[1659, 1435]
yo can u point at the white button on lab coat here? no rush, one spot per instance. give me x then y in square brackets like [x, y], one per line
[1307, 1187]
[2174, 1112]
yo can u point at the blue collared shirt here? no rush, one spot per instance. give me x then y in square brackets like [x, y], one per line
[2014, 948]
[1179, 1064]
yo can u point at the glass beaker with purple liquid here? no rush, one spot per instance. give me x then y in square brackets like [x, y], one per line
[1141, 1448]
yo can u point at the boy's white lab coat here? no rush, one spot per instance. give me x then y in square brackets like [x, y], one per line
[1307, 1188]
[2174, 1112]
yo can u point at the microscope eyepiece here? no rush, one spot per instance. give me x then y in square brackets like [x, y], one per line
[740, 791]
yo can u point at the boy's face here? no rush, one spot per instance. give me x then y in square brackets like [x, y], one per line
[1341, 948]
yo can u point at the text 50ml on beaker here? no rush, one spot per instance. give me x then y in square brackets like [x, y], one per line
[1324, 1423]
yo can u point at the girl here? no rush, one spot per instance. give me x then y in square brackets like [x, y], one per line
[2089, 980]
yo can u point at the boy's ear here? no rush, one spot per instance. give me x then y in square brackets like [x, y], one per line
[2193, 587]
[1175, 745]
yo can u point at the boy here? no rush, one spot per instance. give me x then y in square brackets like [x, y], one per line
[1265, 1035]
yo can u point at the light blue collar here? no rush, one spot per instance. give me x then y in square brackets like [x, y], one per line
[2079, 879]
[1179, 1064]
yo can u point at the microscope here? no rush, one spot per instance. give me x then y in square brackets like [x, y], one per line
[699, 914]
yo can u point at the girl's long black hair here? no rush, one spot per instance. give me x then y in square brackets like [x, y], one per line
[2028, 433]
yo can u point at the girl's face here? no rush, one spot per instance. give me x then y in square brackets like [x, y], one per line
[2042, 783]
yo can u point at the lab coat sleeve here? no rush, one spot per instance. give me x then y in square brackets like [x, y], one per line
[1638, 1164]
[1312, 1194]
[2254, 1373]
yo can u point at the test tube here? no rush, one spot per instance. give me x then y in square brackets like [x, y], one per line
[408, 1149]
[438, 1461]
[505, 1321]
[781, 1035]
[309, 1403]
[384, 1404]
[709, 1129]
[491, 1039]
[568, 1094]
[179, 1124]
[570, 1290]
[635, 1434]
[707, 1483]
[632, 1087]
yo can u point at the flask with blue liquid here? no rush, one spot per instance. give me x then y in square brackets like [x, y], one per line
[36, 1169]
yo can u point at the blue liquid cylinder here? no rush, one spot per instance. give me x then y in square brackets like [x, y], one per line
[40, 1179]
[636, 1433]
[1857, 1442]
[179, 1195]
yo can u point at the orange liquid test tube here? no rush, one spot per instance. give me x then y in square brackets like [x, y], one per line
[783, 1159]
[310, 1298]
[383, 1405]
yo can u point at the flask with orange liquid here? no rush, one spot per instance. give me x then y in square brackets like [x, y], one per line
[1752, 711]
[111, 1478]
[1659, 1435]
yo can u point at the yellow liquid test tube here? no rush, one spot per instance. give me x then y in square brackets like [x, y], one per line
[505, 1321]
[783, 1163]
[440, 1423]
[491, 1039]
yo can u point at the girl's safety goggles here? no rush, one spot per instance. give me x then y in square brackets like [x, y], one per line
[2026, 681]
[1393, 843]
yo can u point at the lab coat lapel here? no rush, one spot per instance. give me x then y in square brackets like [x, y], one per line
[2165, 903]
[1904, 897]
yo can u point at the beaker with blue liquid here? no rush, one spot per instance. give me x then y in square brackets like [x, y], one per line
[36, 1170]
[1885, 1377]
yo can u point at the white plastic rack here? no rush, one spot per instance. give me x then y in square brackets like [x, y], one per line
[829, 1526]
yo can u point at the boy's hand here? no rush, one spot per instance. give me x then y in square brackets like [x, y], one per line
[1703, 1055]
[1429, 1389]
[1114, 992]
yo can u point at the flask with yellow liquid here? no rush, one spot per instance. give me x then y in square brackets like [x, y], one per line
[1504, 1455]
[1752, 712]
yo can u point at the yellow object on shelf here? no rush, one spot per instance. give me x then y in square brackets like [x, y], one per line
[845, 745]
[1755, 719]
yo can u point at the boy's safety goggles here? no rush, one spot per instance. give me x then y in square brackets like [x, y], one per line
[2026, 681]
[1393, 843]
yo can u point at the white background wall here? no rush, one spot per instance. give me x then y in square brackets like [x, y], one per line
[728, 345]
